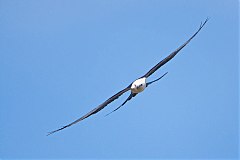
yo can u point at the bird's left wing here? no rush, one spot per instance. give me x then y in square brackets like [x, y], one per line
[169, 57]
[95, 110]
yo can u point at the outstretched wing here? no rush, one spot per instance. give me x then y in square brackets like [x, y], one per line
[95, 110]
[128, 99]
[165, 60]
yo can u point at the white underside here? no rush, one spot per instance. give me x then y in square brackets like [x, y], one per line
[139, 85]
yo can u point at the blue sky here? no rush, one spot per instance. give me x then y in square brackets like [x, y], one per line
[60, 59]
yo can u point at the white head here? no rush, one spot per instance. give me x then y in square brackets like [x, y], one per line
[139, 85]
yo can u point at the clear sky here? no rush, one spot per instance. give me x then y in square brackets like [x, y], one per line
[60, 59]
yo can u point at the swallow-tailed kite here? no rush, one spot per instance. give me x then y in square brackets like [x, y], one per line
[135, 87]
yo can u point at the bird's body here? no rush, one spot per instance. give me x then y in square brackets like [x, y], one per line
[139, 85]
[136, 87]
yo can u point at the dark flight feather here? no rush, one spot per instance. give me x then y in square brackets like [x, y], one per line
[95, 110]
[165, 60]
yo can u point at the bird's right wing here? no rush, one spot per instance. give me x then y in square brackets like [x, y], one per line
[95, 110]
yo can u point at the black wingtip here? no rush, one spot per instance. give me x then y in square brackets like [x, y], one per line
[206, 19]
[49, 133]
[202, 24]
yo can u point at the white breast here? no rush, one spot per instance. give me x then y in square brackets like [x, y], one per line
[139, 85]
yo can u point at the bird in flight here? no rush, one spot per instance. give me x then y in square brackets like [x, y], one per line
[135, 87]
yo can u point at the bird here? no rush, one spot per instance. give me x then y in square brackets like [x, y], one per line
[136, 86]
